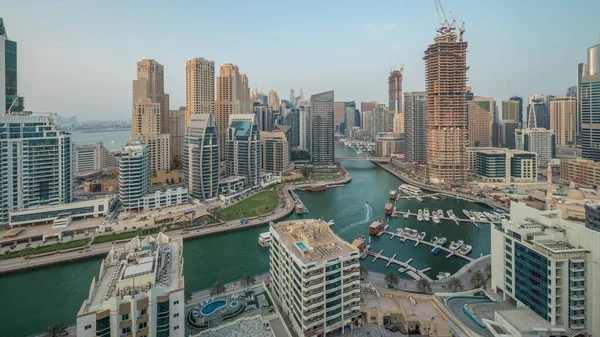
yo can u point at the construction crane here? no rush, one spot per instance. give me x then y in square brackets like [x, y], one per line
[8, 111]
[440, 12]
[461, 32]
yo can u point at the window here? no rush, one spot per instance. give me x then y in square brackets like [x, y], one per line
[124, 317]
[126, 330]
[176, 315]
[176, 327]
[142, 325]
[176, 302]
[143, 312]
[87, 327]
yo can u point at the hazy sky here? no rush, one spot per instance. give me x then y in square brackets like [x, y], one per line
[79, 57]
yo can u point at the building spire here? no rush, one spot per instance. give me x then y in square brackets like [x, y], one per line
[531, 119]
[549, 195]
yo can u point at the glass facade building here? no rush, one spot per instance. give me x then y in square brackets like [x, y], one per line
[590, 118]
[292, 119]
[243, 149]
[35, 164]
[531, 279]
[134, 175]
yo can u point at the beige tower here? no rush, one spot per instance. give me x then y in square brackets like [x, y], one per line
[199, 87]
[150, 84]
[230, 95]
[247, 105]
[510, 110]
[480, 115]
[563, 119]
[446, 87]
[399, 122]
[274, 100]
[146, 128]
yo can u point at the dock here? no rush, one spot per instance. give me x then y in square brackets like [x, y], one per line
[297, 201]
[433, 196]
[404, 266]
[451, 252]
[456, 220]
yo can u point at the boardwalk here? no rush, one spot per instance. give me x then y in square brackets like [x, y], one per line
[452, 252]
[456, 220]
[404, 266]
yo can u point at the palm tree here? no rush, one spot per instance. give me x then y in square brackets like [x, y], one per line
[455, 284]
[392, 279]
[424, 285]
[488, 271]
[217, 288]
[56, 330]
[247, 280]
[188, 296]
[364, 273]
[477, 278]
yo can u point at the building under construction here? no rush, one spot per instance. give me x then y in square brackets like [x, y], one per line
[446, 86]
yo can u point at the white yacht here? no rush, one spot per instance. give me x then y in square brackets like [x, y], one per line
[451, 214]
[441, 241]
[434, 240]
[406, 215]
[264, 239]
[440, 213]
[410, 190]
[435, 217]
[454, 245]
[420, 215]
[426, 214]
[465, 249]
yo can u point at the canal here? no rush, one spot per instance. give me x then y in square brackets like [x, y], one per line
[35, 299]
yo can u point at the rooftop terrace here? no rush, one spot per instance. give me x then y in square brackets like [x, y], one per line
[311, 240]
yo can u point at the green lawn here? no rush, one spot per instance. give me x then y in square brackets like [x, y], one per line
[257, 204]
[115, 237]
[325, 176]
[46, 249]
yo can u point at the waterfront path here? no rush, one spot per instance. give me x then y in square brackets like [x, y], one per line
[101, 249]
[401, 175]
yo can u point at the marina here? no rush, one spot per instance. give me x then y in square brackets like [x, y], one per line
[424, 215]
[417, 242]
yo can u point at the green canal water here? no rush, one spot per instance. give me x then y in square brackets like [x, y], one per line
[35, 299]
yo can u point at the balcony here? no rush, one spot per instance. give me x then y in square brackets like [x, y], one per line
[351, 297]
[577, 326]
[311, 312]
[351, 288]
[577, 298]
[351, 279]
[314, 329]
[579, 306]
[313, 273]
[350, 263]
[309, 322]
[311, 294]
[309, 285]
[576, 316]
[314, 301]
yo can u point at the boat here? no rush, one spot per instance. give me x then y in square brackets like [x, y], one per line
[394, 214]
[264, 239]
[409, 232]
[464, 250]
[407, 214]
[402, 238]
[436, 250]
[454, 245]
[435, 217]
[389, 208]
[440, 213]
[410, 190]
[441, 241]
[393, 194]
[420, 215]
[442, 275]
[470, 215]
[331, 222]
[419, 198]
[316, 188]
[489, 216]
[421, 236]
[434, 240]
[426, 214]
[451, 214]
[376, 227]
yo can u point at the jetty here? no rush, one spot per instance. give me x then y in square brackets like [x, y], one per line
[298, 202]
[434, 196]
[405, 267]
[456, 220]
[425, 242]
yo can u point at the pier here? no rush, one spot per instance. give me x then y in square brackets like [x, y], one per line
[433, 196]
[297, 201]
[405, 267]
[456, 220]
[452, 252]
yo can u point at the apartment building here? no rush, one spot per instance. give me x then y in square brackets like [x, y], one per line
[502, 165]
[583, 172]
[314, 276]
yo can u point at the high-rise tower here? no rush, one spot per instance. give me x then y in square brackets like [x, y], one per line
[8, 73]
[414, 125]
[150, 84]
[200, 164]
[446, 87]
[199, 87]
[230, 95]
[395, 91]
[274, 100]
[590, 109]
[321, 143]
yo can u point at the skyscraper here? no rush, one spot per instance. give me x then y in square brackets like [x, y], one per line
[274, 100]
[264, 114]
[243, 150]
[415, 104]
[275, 152]
[395, 91]
[480, 116]
[349, 115]
[537, 114]
[293, 121]
[134, 175]
[35, 164]
[199, 87]
[304, 127]
[8, 72]
[245, 95]
[368, 106]
[510, 110]
[321, 144]
[582, 70]
[446, 87]
[590, 109]
[520, 100]
[200, 162]
[572, 91]
[146, 128]
[150, 85]
[176, 129]
[563, 119]
[339, 112]
[538, 140]
[505, 134]
[229, 100]
[399, 122]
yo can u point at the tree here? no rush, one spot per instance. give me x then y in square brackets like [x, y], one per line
[56, 330]
[477, 278]
[188, 296]
[306, 171]
[217, 288]
[247, 280]
[392, 279]
[364, 273]
[488, 271]
[424, 285]
[455, 284]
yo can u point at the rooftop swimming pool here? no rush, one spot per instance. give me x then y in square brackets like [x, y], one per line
[212, 307]
[302, 246]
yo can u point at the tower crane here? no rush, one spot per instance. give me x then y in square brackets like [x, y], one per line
[8, 111]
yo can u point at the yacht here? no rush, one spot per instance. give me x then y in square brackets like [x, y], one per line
[410, 190]
[407, 214]
[481, 216]
[489, 216]
[420, 215]
[426, 214]
[442, 275]
[440, 213]
[434, 240]
[409, 232]
[470, 215]
[264, 239]
[441, 241]
[421, 236]
[419, 198]
[331, 223]
[451, 214]
[464, 250]
[402, 238]
[454, 245]
[435, 217]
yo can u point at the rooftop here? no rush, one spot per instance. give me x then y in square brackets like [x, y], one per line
[525, 320]
[136, 268]
[311, 240]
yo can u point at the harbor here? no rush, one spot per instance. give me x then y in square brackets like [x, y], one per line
[455, 219]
